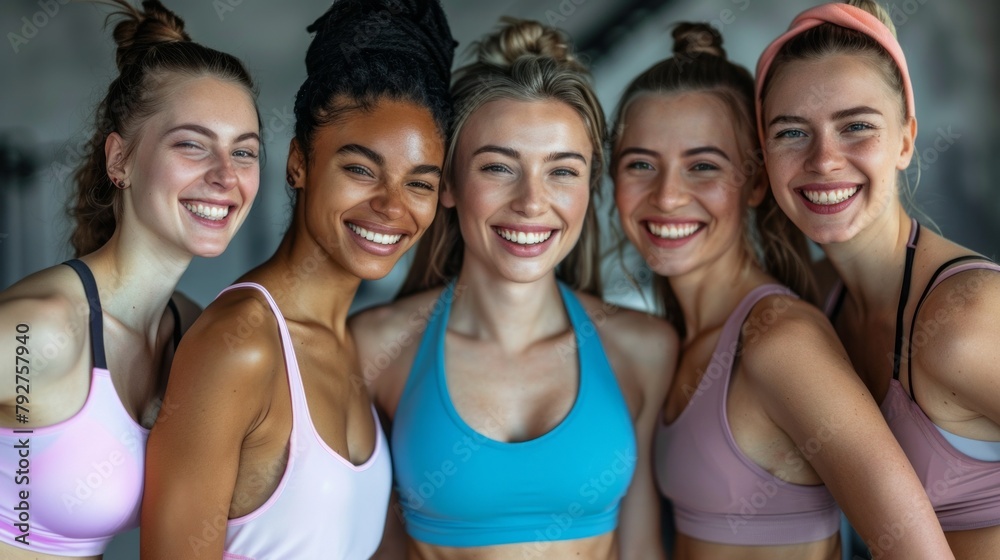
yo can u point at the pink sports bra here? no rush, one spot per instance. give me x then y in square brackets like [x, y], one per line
[324, 506]
[719, 495]
[964, 491]
[84, 475]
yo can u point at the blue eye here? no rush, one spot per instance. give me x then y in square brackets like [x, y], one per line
[640, 166]
[245, 154]
[564, 172]
[859, 127]
[790, 133]
[495, 168]
[423, 185]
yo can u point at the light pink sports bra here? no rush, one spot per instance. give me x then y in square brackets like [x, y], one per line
[324, 506]
[964, 491]
[83, 476]
[720, 495]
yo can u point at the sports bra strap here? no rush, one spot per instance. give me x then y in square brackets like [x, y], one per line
[904, 295]
[177, 321]
[931, 284]
[96, 315]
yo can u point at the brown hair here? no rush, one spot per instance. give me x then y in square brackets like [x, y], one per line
[526, 61]
[152, 43]
[699, 64]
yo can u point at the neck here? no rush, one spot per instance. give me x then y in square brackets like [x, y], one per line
[871, 263]
[137, 276]
[708, 295]
[308, 284]
[512, 314]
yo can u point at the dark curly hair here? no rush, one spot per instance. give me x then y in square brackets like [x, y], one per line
[365, 51]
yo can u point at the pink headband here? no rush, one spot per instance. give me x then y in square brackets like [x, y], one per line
[843, 15]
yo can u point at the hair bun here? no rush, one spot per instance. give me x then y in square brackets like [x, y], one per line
[696, 38]
[139, 30]
[519, 38]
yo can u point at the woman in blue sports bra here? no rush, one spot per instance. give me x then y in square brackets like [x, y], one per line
[273, 449]
[916, 312]
[765, 418]
[522, 405]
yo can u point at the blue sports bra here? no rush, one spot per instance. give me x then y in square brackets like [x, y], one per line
[460, 488]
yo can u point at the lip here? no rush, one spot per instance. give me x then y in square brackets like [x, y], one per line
[525, 251]
[371, 247]
[827, 208]
[670, 243]
[212, 224]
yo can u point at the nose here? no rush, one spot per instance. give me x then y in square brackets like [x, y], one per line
[223, 174]
[531, 199]
[824, 154]
[388, 202]
[670, 192]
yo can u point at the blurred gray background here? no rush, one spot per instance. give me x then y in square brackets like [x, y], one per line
[54, 77]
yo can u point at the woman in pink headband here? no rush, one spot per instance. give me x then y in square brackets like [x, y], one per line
[914, 310]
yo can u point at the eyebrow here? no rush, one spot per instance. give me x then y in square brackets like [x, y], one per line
[843, 114]
[198, 129]
[490, 148]
[555, 156]
[364, 152]
[426, 170]
[687, 153]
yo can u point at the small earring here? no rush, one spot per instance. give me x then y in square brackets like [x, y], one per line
[120, 183]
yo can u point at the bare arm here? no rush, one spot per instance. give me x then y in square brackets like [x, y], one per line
[216, 395]
[804, 380]
[647, 348]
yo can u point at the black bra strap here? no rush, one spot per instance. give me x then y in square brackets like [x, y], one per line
[904, 294]
[841, 295]
[96, 315]
[920, 302]
[177, 321]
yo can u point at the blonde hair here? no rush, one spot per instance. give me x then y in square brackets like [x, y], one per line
[524, 61]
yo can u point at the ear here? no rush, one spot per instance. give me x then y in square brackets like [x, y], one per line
[758, 189]
[909, 141]
[447, 196]
[114, 156]
[295, 168]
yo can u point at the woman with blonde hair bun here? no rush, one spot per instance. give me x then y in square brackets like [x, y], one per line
[522, 405]
[916, 312]
[766, 428]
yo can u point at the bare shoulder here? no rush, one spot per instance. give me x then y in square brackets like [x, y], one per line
[955, 328]
[648, 344]
[49, 309]
[784, 333]
[406, 316]
[235, 341]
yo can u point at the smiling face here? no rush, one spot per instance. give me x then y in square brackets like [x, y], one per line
[680, 182]
[835, 142]
[194, 172]
[370, 187]
[521, 186]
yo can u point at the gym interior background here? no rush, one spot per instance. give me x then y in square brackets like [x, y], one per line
[57, 61]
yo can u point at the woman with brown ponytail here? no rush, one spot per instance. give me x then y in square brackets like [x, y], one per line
[766, 428]
[916, 311]
[522, 416]
[172, 172]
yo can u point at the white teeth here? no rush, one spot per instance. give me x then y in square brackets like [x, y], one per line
[380, 238]
[522, 237]
[672, 231]
[827, 198]
[214, 213]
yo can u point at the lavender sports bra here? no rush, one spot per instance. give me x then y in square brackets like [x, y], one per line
[719, 494]
[83, 476]
[324, 506]
[964, 491]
